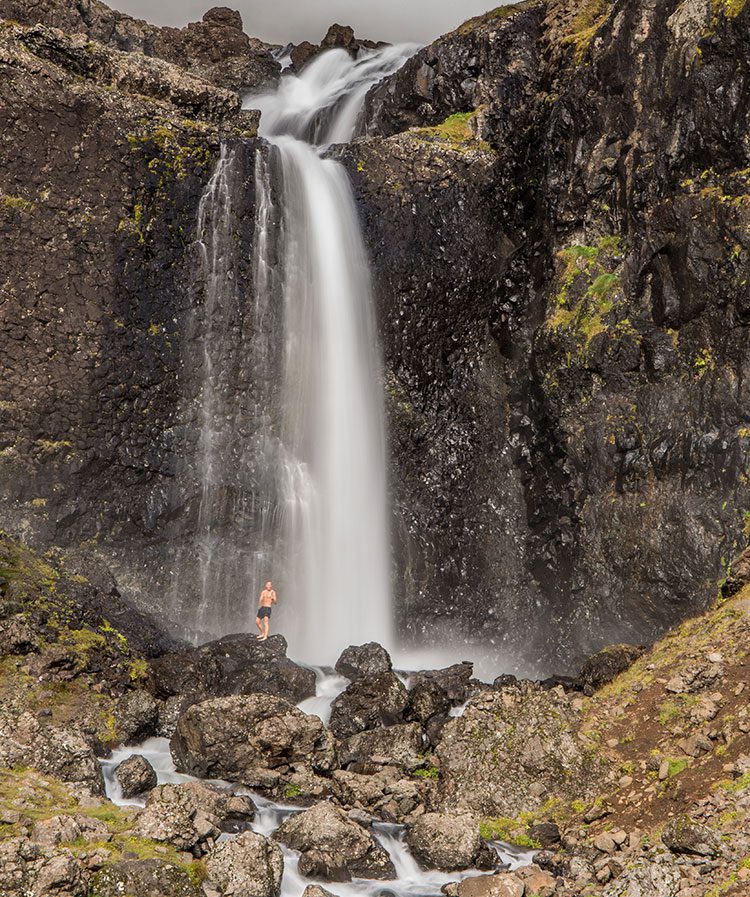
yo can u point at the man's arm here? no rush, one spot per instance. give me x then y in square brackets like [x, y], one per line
[274, 596]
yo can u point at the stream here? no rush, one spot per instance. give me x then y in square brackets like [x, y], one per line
[410, 881]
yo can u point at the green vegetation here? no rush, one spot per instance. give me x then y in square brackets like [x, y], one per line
[675, 767]
[175, 155]
[16, 203]
[494, 16]
[587, 290]
[291, 791]
[730, 9]
[429, 772]
[512, 831]
[456, 131]
[704, 362]
[591, 16]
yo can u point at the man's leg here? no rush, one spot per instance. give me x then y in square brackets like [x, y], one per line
[260, 628]
[266, 621]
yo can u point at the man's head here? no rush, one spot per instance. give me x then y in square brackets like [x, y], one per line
[269, 585]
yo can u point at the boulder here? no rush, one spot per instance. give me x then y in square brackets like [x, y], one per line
[137, 715]
[456, 681]
[738, 576]
[65, 829]
[684, 835]
[367, 704]
[449, 842]
[143, 878]
[427, 700]
[249, 864]
[507, 743]
[603, 666]
[333, 847]
[233, 665]
[646, 880]
[359, 661]
[192, 815]
[385, 794]
[135, 775]
[545, 833]
[235, 738]
[401, 745]
[504, 884]
[316, 891]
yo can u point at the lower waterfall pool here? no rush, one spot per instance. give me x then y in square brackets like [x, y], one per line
[410, 881]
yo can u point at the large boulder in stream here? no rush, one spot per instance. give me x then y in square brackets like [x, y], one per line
[136, 776]
[333, 847]
[360, 661]
[246, 865]
[233, 665]
[448, 842]
[255, 739]
[402, 746]
[367, 704]
[191, 816]
[505, 742]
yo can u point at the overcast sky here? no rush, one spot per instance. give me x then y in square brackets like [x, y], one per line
[280, 21]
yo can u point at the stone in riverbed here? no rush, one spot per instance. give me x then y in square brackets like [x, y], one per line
[249, 864]
[143, 878]
[316, 891]
[240, 737]
[367, 704]
[401, 745]
[504, 884]
[135, 775]
[449, 842]
[359, 661]
[333, 847]
[192, 815]
[456, 681]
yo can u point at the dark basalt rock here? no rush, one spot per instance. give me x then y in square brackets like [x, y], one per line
[367, 704]
[234, 665]
[455, 681]
[136, 776]
[359, 661]
[603, 666]
[337, 37]
[148, 878]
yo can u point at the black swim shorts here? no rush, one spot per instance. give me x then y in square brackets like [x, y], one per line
[264, 612]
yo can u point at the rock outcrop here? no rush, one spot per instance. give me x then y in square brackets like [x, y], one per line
[522, 737]
[333, 847]
[254, 739]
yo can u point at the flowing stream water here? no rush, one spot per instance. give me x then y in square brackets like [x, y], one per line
[410, 881]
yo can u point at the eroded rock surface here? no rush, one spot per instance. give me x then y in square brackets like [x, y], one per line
[239, 738]
[333, 847]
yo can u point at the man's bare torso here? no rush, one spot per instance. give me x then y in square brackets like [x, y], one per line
[267, 597]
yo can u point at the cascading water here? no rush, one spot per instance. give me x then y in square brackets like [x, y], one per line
[334, 565]
[288, 481]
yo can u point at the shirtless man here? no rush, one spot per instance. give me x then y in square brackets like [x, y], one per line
[267, 599]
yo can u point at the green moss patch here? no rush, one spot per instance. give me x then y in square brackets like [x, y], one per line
[587, 290]
[456, 131]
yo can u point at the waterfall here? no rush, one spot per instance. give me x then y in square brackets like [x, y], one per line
[331, 467]
[287, 478]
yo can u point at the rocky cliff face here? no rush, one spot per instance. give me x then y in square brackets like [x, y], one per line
[557, 210]
[556, 204]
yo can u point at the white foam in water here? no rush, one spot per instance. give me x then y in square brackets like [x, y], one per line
[410, 881]
[328, 686]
